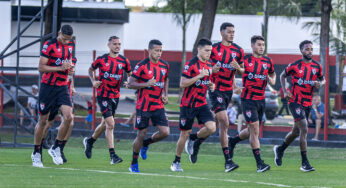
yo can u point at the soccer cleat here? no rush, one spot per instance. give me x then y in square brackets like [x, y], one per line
[176, 167]
[231, 146]
[306, 167]
[87, 148]
[64, 160]
[189, 146]
[134, 168]
[193, 156]
[36, 160]
[230, 166]
[143, 152]
[262, 167]
[115, 159]
[278, 155]
[56, 155]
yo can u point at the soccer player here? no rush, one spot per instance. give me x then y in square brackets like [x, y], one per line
[306, 74]
[227, 57]
[55, 63]
[195, 80]
[150, 77]
[111, 68]
[259, 70]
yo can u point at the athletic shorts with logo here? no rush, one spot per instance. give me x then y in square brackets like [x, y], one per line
[107, 106]
[299, 111]
[220, 100]
[157, 117]
[253, 110]
[187, 116]
[52, 97]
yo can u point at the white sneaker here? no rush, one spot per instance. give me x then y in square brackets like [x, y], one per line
[189, 146]
[176, 167]
[56, 155]
[36, 160]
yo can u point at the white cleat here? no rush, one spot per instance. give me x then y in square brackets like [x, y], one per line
[176, 167]
[56, 155]
[36, 160]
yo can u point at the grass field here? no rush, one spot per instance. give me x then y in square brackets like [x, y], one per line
[16, 170]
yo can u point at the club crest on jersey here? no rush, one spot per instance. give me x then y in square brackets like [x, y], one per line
[138, 119]
[300, 71]
[248, 113]
[58, 49]
[163, 71]
[120, 66]
[70, 50]
[250, 64]
[219, 54]
[107, 64]
[150, 72]
[234, 55]
[265, 66]
[314, 71]
[105, 75]
[183, 122]
[44, 48]
[58, 61]
[104, 103]
[250, 75]
[218, 64]
[42, 106]
[186, 67]
[219, 99]
[298, 110]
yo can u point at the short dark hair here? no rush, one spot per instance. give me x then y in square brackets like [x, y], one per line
[154, 42]
[112, 37]
[301, 45]
[225, 25]
[67, 30]
[203, 41]
[256, 38]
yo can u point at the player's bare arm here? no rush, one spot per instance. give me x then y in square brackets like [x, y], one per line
[43, 66]
[186, 82]
[283, 80]
[272, 78]
[165, 92]
[134, 84]
[94, 82]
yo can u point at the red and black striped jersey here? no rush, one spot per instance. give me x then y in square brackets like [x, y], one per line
[223, 56]
[111, 71]
[195, 95]
[255, 76]
[57, 53]
[150, 98]
[303, 76]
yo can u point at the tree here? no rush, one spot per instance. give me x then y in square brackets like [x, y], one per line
[207, 22]
[48, 23]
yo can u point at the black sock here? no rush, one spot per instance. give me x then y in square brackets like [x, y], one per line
[91, 140]
[236, 139]
[283, 146]
[134, 158]
[304, 157]
[63, 145]
[147, 142]
[57, 144]
[111, 151]
[37, 148]
[199, 141]
[193, 136]
[177, 159]
[257, 155]
[225, 151]
[41, 145]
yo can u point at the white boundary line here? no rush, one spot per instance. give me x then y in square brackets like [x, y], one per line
[166, 175]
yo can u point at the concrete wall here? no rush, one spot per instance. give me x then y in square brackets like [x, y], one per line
[5, 16]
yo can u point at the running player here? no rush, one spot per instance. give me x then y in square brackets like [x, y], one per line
[227, 57]
[111, 69]
[195, 80]
[306, 74]
[150, 77]
[259, 70]
[55, 63]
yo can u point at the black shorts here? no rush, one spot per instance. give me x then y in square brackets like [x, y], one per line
[107, 106]
[157, 117]
[253, 110]
[54, 112]
[187, 116]
[299, 111]
[53, 97]
[220, 100]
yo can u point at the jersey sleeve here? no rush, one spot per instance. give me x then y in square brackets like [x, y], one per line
[271, 69]
[127, 66]
[96, 64]
[320, 72]
[241, 57]
[46, 49]
[187, 73]
[213, 56]
[137, 71]
[74, 61]
[289, 70]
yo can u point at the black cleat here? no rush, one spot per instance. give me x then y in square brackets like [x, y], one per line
[88, 147]
[306, 167]
[115, 159]
[231, 146]
[262, 167]
[230, 166]
[278, 155]
[193, 156]
[63, 157]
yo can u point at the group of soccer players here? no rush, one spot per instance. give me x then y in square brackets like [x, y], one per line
[212, 71]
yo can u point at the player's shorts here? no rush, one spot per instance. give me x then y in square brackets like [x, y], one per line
[54, 112]
[220, 100]
[108, 106]
[89, 118]
[299, 111]
[53, 97]
[157, 117]
[253, 110]
[187, 116]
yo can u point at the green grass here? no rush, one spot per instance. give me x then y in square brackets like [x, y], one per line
[16, 170]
